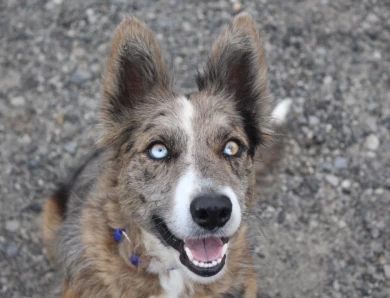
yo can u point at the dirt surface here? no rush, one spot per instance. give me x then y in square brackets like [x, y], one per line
[321, 222]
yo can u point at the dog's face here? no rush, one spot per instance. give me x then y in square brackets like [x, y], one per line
[186, 173]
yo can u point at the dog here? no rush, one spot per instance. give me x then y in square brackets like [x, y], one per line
[160, 208]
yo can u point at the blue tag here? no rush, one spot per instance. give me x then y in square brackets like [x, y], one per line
[135, 260]
[118, 235]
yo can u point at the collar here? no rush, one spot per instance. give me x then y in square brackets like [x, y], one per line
[135, 260]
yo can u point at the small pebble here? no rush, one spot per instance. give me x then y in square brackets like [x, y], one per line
[281, 217]
[375, 233]
[342, 224]
[373, 18]
[377, 55]
[340, 163]
[12, 249]
[12, 225]
[321, 51]
[386, 269]
[313, 121]
[178, 60]
[60, 118]
[328, 80]
[186, 26]
[327, 166]
[333, 180]
[80, 76]
[70, 147]
[346, 186]
[26, 139]
[18, 101]
[34, 207]
[237, 6]
[336, 285]
[372, 142]
[379, 191]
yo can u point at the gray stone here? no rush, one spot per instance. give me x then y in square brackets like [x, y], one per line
[336, 285]
[18, 101]
[320, 51]
[386, 269]
[80, 76]
[327, 166]
[371, 123]
[340, 163]
[187, 26]
[372, 142]
[70, 147]
[91, 15]
[10, 80]
[12, 226]
[313, 121]
[332, 179]
[12, 249]
[328, 80]
[346, 186]
[375, 233]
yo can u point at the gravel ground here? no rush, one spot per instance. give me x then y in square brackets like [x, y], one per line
[322, 217]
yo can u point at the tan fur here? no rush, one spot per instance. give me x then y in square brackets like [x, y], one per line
[52, 219]
[67, 292]
[97, 266]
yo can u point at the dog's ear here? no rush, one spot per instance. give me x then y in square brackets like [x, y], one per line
[237, 67]
[135, 67]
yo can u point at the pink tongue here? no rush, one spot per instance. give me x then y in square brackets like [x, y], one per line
[205, 250]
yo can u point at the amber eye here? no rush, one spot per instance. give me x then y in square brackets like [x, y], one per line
[232, 148]
[158, 151]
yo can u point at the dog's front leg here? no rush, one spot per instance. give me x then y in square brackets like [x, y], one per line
[250, 287]
[68, 292]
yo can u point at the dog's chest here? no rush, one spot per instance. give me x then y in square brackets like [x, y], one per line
[172, 284]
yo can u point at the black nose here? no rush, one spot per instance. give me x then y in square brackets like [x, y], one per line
[211, 210]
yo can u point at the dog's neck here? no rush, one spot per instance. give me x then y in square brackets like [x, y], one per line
[154, 258]
[121, 235]
[139, 249]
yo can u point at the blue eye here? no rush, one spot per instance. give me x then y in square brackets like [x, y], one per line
[158, 151]
[231, 148]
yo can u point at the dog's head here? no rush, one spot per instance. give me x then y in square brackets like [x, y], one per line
[185, 172]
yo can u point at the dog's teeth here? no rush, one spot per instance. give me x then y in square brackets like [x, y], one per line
[206, 265]
[189, 253]
[224, 249]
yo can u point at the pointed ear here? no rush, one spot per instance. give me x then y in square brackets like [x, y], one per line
[135, 67]
[237, 67]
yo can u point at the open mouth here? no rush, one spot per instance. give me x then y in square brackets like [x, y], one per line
[203, 256]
